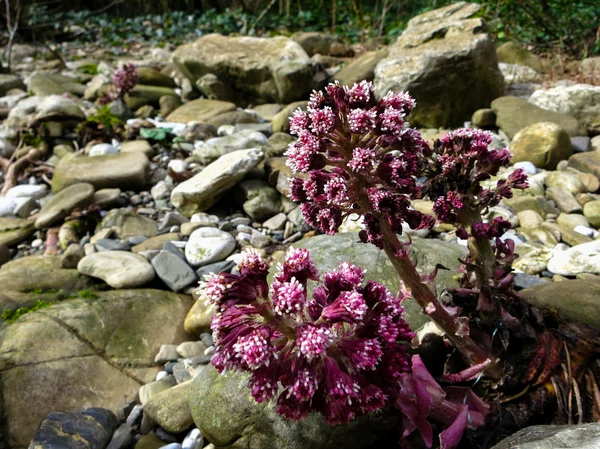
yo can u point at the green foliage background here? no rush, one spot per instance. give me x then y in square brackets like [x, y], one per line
[569, 26]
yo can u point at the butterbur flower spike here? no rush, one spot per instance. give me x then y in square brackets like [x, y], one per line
[125, 78]
[339, 353]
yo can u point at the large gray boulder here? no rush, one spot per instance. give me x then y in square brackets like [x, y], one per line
[575, 300]
[581, 436]
[230, 418]
[513, 114]
[329, 251]
[261, 70]
[581, 101]
[447, 62]
[84, 353]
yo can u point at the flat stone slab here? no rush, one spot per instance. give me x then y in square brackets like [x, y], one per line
[84, 352]
[64, 202]
[119, 269]
[126, 171]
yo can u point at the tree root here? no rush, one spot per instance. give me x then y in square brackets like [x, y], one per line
[12, 169]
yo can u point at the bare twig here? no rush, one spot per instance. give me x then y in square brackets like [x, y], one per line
[12, 27]
[263, 13]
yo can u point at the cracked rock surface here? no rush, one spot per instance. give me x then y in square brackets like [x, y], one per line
[83, 353]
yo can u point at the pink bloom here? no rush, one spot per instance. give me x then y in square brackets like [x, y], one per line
[363, 160]
[299, 122]
[288, 297]
[361, 92]
[322, 120]
[313, 340]
[361, 120]
[254, 348]
[349, 307]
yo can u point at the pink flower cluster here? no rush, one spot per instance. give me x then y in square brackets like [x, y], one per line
[125, 78]
[460, 161]
[340, 352]
[360, 157]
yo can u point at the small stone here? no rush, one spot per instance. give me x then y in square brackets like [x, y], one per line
[484, 118]
[171, 219]
[224, 266]
[570, 221]
[587, 231]
[591, 211]
[106, 197]
[207, 245]
[543, 143]
[529, 167]
[169, 409]
[166, 353]
[161, 375]
[277, 222]
[172, 446]
[147, 391]
[589, 181]
[581, 144]
[564, 200]
[134, 415]
[173, 271]
[259, 240]
[534, 261]
[63, 203]
[122, 437]
[207, 339]
[160, 190]
[156, 242]
[111, 245]
[28, 191]
[102, 149]
[177, 165]
[193, 440]
[72, 255]
[37, 243]
[149, 441]
[189, 349]
[565, 180]
[529, 219]
[523, 280]
[119, 269]
[89, 248]
[141, 146]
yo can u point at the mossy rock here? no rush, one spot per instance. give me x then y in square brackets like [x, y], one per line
[142, 95]
[84, 352]
[15, 230]
[513, 114]
[576, 300]
[512, 53]
[230, 418]
[329, 251]
[42, 273]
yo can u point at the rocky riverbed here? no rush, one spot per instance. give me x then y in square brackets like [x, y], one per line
[103, 341]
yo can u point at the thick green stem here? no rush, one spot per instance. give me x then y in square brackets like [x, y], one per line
[420, 291]
[481, 250]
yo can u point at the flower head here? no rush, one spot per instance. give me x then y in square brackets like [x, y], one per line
[349, 142]
[317, 353]
[125, 78]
